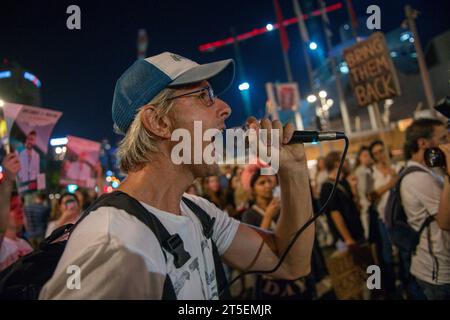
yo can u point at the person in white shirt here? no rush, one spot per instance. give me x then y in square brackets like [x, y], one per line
[384, 178]
[29, 160]
[119, 257]
[362, 172]
[426, 193]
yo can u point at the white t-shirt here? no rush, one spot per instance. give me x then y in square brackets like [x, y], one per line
[420, 193]
[11, 251]
[379, 180]
[120, 257]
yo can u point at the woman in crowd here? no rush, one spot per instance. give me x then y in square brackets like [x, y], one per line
[13, 247]
[384, 178]
[362, 173]
[214, 192]
[320, 177]
[67, 211]
[263, 212]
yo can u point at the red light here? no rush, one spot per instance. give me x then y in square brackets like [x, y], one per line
[257, 31]
[1, 176]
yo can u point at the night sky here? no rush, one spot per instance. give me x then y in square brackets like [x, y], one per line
[78, 69]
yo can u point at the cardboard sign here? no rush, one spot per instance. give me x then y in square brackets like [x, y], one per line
[79, 164]
[372, 74]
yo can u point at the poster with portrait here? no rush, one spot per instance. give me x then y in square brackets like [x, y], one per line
[80, 162]
[288, 95]
[29, 129]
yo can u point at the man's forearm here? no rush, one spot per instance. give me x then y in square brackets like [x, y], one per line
[339, 222]
[443, 216]
[296, 210]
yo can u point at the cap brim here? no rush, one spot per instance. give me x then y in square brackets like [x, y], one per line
[220, 75]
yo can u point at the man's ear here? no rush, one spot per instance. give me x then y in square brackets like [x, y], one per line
[158, 126]
[422, 143]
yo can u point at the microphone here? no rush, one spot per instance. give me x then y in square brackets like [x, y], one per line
[315, 136]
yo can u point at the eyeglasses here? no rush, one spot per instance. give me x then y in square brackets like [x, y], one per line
[206, 95]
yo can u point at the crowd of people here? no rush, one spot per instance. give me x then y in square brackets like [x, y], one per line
[355, 215]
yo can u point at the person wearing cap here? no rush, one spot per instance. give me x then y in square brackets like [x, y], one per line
[119, 257]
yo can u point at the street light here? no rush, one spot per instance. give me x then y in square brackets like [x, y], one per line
[2, 103]
[313, 45]
[269, 27]
[311, 98]
[322, 94]
[244, 86]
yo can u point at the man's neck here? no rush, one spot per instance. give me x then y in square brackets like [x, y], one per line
[159, 184]
[418, 157]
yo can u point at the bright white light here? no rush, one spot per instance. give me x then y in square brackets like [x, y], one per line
[58, 142]
[72, 188]
[64, 149]
[411, 40]
[269, 27]
[115, 184]
[405, 36]
[394, 54]
[58, 150]
[244, 86]
[344, 68]
[2, 103]
[313, 45]
[311, 98]
[1, 169]
[108, 179]
[323, 94]
[330, 102]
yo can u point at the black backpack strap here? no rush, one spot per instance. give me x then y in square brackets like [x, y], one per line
[208, 227]
[171, 243]
[205, 219]
[404, 172]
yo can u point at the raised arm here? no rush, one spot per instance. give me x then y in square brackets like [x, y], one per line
[257, 249]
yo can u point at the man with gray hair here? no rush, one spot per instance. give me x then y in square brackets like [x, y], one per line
[119, 257]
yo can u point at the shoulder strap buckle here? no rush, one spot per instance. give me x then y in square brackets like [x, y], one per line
[174, 244]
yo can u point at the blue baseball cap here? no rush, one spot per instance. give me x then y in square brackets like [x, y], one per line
[146, 78]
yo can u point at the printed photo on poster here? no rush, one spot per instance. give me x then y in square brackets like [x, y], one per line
[80, 162]
[29, 129]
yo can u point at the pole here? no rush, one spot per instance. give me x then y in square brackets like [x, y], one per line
[305, 38]
[411, 15]
[352, 17]
[381, 130]
[241, 73]
[337, 77]
[287, 66]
